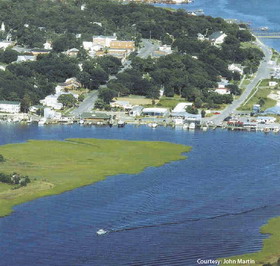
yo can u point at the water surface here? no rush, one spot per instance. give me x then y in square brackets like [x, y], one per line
[210, 205]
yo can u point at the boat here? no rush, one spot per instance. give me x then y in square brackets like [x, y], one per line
[121, 123]
[153, 125]
[204, 128]
[266, 130]
[185, 126]
[101, 232]
[264, 28]
[42, 122]
[192, 126]
[276, 130]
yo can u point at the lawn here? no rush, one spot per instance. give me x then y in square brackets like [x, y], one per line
[170, 102]
[262, 93]
[58, 166]
[136, 100]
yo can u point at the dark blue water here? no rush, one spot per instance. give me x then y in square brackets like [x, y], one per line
[210, 205]
[259, 13]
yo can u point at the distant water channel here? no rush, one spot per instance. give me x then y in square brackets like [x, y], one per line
[258, 13]
[210, 205]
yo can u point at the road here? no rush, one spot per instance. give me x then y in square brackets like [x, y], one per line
[88, 104]
[262, 73]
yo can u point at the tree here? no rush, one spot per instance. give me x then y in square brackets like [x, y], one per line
[203, 113]
[192, 110]
[107, 95]
[67, 100]
[8, 56]
[2, 158]
[25, 103]
[81, 97]
[99, 104]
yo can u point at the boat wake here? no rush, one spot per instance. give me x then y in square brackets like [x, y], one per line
[190, 220]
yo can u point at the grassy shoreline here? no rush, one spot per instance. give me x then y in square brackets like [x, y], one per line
[270, 252]
[59, 166]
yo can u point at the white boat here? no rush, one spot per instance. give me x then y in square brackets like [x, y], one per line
[101, 232]
[185, 126]
[192, 126]
[276, 130]
[42, 122]
[204, 128]
[153, 125]
[81, 122]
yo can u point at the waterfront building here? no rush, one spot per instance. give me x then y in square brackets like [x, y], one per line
[25, 58]
[9, 107]
[162, 112]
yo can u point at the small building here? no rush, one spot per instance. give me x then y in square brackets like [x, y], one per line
[9, 107]
[51, 101]
[47, 45]
[73, 52]
[128, 45]
[162, 112]
[104, 41]
[25, 58]
[217, 38]
[200, 37]
[6, 44]
[51, 114]
[272, 83]
[39, 51]
[222, 91]
[236, 68]
[136, 110]
[95, 117]
[125, 105]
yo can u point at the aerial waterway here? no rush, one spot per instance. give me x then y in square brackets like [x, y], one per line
[208, 206]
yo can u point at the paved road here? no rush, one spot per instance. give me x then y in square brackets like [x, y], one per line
[262, 73]
[88, 104]
[147, 49]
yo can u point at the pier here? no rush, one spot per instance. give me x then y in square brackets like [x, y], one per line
[267, 34]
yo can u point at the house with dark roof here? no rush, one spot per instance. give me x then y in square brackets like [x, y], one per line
[217, 38]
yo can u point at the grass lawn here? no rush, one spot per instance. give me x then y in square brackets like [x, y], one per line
[136, 100]
[262, 93]
[270, 252]
[170, 102]
[58, 166]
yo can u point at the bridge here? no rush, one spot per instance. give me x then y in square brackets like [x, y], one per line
[267, 34]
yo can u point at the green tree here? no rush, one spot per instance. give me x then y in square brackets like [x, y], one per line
[1, 158]
[107, 95]
[67, 100]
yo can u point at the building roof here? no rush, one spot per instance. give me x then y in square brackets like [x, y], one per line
[95, 115]
[216, 35]
[155, 110]
[181, 107]
[10, 102]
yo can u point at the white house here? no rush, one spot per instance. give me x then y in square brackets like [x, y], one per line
[236, 68]
[47, 45]
[51, 101]
[121, 104]
[25, 58]
[200, 37]
[9, 107]
[165, 48]
[217, 38]
[104, 40]
[136, 110]
[272, 83]
[6, 44]
[51, 114]
[222, 91]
